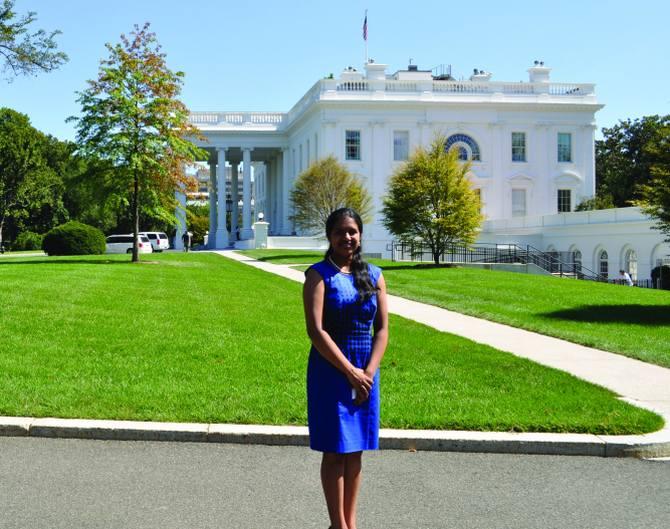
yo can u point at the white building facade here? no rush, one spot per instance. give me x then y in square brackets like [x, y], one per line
[531, 145]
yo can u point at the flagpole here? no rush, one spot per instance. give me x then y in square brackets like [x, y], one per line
[365, 35]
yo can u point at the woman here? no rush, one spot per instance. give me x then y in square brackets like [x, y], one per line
[344, 297]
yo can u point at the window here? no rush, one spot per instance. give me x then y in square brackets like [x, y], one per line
[577, 260]
[308, 154]
[518, 146]
[564, 147]
[400, 145]
[603, 264]
[352, 145]
[467, 147]
[300, 159]
[564, 200]
[631, 264]
[518, 202]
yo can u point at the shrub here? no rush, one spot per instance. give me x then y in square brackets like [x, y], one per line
[28, 240]
[74, 238]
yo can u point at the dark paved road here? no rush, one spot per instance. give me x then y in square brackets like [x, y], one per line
[52, 484]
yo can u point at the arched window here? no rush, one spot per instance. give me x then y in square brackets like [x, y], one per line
[467, 147]
[630, 263]
[603, 266]
[577, 262]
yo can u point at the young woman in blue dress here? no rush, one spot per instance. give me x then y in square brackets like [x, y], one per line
[344, 299]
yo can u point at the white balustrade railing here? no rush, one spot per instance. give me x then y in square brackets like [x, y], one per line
[330, 88]
[401, 86]
[237, 118]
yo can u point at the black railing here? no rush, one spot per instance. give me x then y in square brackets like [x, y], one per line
[553, 262]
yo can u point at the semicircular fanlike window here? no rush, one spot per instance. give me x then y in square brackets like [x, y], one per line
[467, 147]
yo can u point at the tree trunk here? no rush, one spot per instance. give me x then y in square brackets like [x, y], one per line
[136, 218]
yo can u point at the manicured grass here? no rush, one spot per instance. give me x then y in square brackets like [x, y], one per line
[198, 337]
[631, 321]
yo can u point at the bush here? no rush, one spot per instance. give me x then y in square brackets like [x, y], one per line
[662, 273]
[28, 240]
[74, 238]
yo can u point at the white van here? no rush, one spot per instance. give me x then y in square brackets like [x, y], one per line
[124, 244]
[159, 240]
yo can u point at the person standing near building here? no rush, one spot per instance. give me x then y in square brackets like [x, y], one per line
[344, 299]
[186, 239]
[625, 276]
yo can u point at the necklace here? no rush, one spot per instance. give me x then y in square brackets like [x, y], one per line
[330, 260]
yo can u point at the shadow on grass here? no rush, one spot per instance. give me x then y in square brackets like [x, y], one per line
[417, 266]
[637, 314]
[46, 260]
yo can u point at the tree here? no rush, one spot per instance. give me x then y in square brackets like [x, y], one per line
[25, 177]
[430, 199]
[623, 161]
[22, 52]
[326, 185]
[131, 117]
[655, 196]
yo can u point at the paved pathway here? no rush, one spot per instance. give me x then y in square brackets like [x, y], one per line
[639, 383]
[72, 483]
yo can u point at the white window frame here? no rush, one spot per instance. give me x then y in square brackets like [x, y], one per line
[561, 153]
[524, 157]
[398, 154]
[558, 200]
[357, 145]
[516, 212]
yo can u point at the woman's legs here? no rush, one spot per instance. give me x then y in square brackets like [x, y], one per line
[341, 480]
[332, 479]
[352, 484]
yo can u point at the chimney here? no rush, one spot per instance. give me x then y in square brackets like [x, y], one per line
[538, 73]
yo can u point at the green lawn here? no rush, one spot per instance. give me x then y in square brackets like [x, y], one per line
[631, 321]
[198, 337]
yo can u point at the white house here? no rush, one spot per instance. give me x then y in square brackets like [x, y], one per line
[531, 145]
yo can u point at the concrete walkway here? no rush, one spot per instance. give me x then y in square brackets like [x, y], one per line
[641, 384]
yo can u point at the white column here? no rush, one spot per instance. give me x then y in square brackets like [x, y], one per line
[247, 232]
[279, 206]
[221, 238]
[180, 213]
[285, 187]
[211, 241]
[234, 197]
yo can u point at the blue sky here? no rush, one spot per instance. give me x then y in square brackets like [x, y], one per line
[264, 55]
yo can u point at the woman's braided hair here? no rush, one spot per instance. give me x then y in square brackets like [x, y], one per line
[359, 268]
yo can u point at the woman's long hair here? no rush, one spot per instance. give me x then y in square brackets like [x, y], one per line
[359, 268]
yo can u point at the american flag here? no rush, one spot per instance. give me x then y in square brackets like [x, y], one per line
[365, 26]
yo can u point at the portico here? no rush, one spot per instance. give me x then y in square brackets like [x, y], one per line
[262, 150]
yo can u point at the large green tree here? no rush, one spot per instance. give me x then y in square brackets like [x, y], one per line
[623, 160]
[327, 185]
[655, 196]
[23, 51]
[28, 184]
[132, 118]
[430, 199]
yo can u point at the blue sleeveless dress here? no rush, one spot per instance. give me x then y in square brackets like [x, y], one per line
[336, 423]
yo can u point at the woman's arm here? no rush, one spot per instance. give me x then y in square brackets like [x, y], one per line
[313, 294]
[381, 329]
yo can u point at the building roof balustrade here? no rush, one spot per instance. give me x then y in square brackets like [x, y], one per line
[405, 90]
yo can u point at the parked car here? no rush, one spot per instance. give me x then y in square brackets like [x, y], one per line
[124, 244]
[159, 240]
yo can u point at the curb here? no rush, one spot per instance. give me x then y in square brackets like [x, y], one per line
[654, 445]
